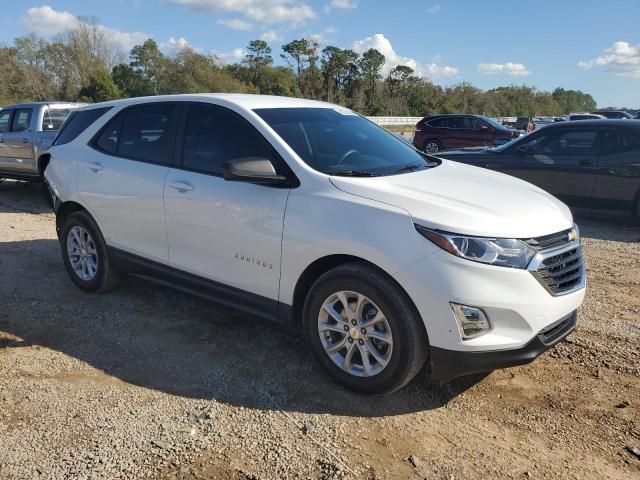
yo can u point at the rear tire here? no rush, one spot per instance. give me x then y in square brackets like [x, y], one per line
[431, 147]
[85, 254]
[380, 332]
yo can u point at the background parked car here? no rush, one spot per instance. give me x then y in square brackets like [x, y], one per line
[585, 116]
[593, 164]
[441, 132]
[614, 114]
[26, 132]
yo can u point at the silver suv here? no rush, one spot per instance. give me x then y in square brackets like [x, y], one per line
[27, 130]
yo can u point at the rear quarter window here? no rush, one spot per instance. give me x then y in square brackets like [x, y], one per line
[77, 122]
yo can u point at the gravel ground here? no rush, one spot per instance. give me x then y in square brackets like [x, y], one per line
[146, 382]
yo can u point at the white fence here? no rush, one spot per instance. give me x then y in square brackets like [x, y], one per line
[414, 120]
[395, 120]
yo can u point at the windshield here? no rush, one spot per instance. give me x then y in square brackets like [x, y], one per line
[339, 142]
[492, 122]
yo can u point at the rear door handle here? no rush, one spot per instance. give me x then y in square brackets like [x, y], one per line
[25, 140]
[95, 166]
[181, 187]
[586, 161]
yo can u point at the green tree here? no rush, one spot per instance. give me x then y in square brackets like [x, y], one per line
[371, 64]
[257, 58]
[100, 88]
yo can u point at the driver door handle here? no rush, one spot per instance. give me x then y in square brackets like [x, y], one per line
[181, 187]
[94, 166]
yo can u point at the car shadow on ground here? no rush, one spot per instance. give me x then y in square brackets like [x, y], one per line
[158, 338]
[18, 196]
[606, 225]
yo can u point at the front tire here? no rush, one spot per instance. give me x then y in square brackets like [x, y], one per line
[364, 330]
[85, 254]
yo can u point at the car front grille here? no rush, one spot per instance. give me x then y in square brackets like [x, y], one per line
[558, 265]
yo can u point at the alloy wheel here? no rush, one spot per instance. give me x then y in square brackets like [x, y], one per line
[82, 253]
[431, 147]
[355, 334]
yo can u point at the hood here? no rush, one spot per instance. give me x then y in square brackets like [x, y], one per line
[460, 198]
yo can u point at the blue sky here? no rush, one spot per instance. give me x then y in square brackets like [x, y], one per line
[589, 45]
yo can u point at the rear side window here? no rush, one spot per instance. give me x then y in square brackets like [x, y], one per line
[5, 118]
[77, 122]
[54, 118]
[21, 120]
[214, 135]
[145, 133]
[439, 123]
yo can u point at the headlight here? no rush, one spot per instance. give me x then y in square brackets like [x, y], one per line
[504, 252]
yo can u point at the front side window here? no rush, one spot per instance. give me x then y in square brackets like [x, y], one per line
[618, 141]
[214, 135]
[146, 133]
[5, 118]
[21, 120]
[572, 143]
[338, 142]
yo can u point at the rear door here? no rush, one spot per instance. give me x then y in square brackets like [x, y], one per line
[122, 178]
[17, 143]
[227, 232]
[618, 175]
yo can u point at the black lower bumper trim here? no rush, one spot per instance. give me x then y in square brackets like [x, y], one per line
[448, 364]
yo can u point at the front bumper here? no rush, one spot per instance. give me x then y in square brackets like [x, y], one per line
[447, 364]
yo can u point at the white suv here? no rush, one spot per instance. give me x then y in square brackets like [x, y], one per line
[306, 213]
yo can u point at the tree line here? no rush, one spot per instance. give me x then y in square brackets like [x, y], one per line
[84, 65]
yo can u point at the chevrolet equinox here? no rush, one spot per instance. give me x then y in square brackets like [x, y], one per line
[306, 213]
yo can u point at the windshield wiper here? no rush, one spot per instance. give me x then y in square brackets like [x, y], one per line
[355, 173]
[409, 167]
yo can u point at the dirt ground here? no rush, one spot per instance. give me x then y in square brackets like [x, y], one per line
[148, 382]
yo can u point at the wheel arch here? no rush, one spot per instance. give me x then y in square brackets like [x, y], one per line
[321, 266]
[42, 163]
[66, 209]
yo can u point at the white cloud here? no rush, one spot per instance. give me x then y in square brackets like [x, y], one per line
[621, 58]
[294, 12]
[175, 44]
[383, 45]
[340, 5]
[509, 68]
[233, 56]
[434, 9]
[295, 15]
[271, 36]
[47, 22]
[236, 24]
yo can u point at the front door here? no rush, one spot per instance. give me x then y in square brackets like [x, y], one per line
[16, 145]
[560, 161]
[225, 231]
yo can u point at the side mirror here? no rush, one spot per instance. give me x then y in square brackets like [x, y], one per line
[253, 170]
[484, 128]
[522, 149]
